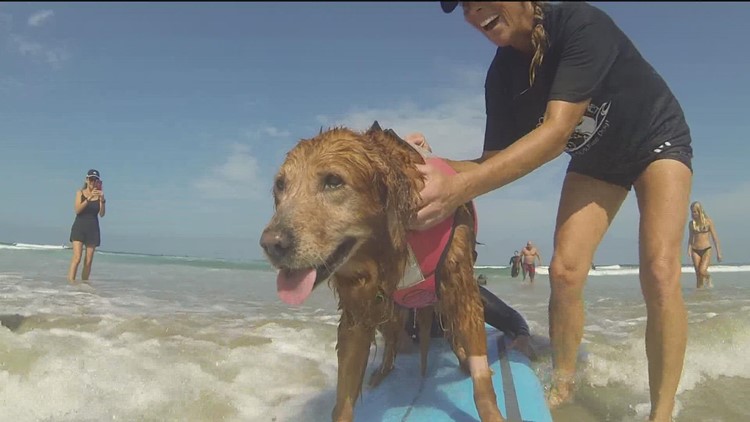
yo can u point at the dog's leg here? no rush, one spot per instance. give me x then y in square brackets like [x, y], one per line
[424, 321]
[353, 347]
[462, 309]
[457, 348]
[391, 331]
[363, 307]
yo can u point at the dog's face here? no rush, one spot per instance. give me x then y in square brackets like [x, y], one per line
[331, 196]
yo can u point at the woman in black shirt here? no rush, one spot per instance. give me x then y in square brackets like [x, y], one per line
[565, 78]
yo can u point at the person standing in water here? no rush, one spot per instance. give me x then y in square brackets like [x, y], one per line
[515, 265]
[566, 78]
[699, 244]
[529, 254]
[88, 206]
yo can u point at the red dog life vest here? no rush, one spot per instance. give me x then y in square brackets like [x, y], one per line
[428, 247]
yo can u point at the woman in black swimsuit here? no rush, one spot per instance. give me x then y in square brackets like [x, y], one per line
[89, 206]
[699, 244]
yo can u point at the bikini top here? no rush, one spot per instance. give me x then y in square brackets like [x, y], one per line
[694, 227]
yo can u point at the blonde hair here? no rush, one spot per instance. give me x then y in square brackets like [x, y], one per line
[702, 223]
[539, 39]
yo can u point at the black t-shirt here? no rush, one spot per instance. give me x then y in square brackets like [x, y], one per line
[588, 57]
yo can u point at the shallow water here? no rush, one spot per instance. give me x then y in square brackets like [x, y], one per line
[174, 338]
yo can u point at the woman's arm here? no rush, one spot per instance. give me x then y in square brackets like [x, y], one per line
[715, 237]
[442, 194]
[102, 207]
[79, 203]
[690, 240]
[533, 150]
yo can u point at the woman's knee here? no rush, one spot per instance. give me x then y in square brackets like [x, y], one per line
[660, 278]
[567, 276]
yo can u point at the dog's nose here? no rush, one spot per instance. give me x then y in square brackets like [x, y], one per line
[276, 243]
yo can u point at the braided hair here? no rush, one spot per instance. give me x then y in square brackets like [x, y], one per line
[539, 39]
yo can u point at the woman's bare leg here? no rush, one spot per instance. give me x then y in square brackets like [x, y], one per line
[697, 266]
[587, 207]
[88, 262]
[663, 192]
[74, 261]
[705, 263]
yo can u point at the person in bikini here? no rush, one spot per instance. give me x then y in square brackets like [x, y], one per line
[699, 244]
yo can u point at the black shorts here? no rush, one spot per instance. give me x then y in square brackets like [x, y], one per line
[86, 232]
[624, 169]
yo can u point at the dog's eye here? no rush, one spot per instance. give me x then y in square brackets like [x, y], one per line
[332, 181]
[279, 184]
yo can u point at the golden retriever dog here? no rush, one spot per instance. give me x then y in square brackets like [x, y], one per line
[343, 201]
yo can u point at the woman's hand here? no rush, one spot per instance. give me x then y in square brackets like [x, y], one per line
[417, 139]
[96, 194]
[440, 197]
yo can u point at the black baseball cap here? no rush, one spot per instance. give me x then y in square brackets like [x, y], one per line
[93, 173]
[448, 6]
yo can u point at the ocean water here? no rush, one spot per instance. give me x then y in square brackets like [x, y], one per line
[160, 338]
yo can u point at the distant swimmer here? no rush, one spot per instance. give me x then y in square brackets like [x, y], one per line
[482, 280]
[515, 265]
[699, 244]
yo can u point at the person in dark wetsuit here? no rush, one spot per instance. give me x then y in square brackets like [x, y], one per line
[496, 313]
[515, 265]
[565, 78]
[88, 206]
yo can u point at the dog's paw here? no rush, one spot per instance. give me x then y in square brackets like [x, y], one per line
[488, 411]
[378, 376]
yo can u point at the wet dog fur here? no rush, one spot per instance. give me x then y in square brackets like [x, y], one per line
[343, 201]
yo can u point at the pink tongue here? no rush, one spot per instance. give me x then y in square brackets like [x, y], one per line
[294, 287]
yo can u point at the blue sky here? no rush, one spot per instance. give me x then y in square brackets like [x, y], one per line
[187, 109]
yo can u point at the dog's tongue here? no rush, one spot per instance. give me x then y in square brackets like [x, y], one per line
[295, 286]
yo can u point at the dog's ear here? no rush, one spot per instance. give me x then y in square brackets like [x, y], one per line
[398, 193]
[374, 128]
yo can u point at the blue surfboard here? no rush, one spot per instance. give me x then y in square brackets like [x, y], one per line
[446, 394]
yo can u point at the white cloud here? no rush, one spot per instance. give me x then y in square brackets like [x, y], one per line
[55, 56]
[453, 126]
[40, 17]
[237, 178]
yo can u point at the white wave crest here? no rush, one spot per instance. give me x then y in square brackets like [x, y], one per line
[32, 246]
